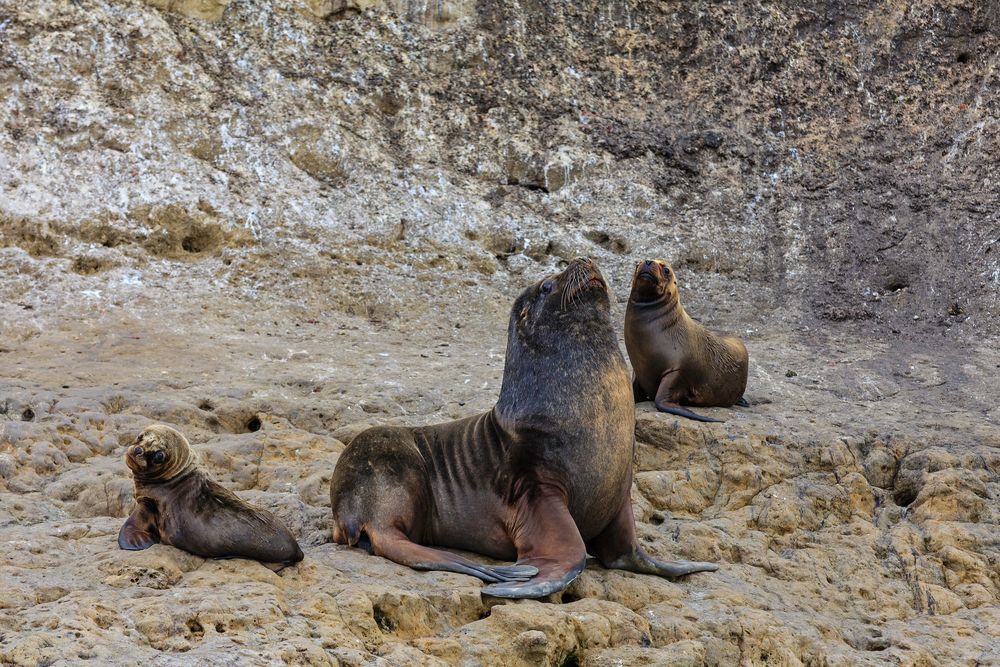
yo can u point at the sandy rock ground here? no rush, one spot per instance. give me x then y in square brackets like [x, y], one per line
[853, 507]
[271, 224]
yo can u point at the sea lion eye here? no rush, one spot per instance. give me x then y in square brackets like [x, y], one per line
[546, 287]
[159, 457]
[137, 451]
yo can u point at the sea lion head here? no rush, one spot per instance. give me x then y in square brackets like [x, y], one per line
[572, 302]
[560, 335]
[159, 454]
[653, 280]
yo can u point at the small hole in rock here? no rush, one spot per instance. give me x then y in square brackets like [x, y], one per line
[384, 623]
[27, 415]
[253, 424]
[962, 57]
[220, 627]
[905, 497]
[571, 660]
[568, 597]
[207, 406]
[195, 627]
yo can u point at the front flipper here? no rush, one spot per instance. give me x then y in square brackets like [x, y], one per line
[546, 538]
[639, 561]
[397, 547]
[665, 403]
[743, 403]
[139, 531]
[553, 576]
[674, 409]
[617, 548]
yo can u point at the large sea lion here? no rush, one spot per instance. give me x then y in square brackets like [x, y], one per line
[177, 503]
[674, 359]
[544, 477]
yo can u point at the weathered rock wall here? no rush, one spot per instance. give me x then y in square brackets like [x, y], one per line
[271, 224]
[839, 153]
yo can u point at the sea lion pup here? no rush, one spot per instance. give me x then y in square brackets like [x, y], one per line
[177, 503]
[544, 477]
[674, 359]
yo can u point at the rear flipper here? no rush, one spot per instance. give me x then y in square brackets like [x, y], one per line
[743, 403]
[674, 409]
[397, 547]
[139, 531]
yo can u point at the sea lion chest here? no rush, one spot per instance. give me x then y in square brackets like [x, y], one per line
[591, 450]
[656, 346]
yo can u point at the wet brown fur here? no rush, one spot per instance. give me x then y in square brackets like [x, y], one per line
[179, 504]
[543, 477]
[675, 360]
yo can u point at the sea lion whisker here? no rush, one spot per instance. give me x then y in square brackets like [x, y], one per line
[581, 282]
[577, 280]
[568, 293]
[571, 289]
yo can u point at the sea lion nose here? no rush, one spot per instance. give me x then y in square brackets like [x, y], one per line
[649, 263]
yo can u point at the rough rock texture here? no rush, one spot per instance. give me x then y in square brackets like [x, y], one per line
[270, 224]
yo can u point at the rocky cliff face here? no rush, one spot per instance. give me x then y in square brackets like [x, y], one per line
[272, 223]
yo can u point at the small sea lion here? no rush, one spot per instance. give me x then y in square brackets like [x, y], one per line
[179, 504]
[675, 360]
[544, 477]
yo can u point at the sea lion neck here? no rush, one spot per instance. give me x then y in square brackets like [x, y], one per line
[545, 382]
[663, 309]
[183, 471]
[648, 303]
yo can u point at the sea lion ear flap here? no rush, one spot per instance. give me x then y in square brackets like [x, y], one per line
[522, 324]
[139, 531]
